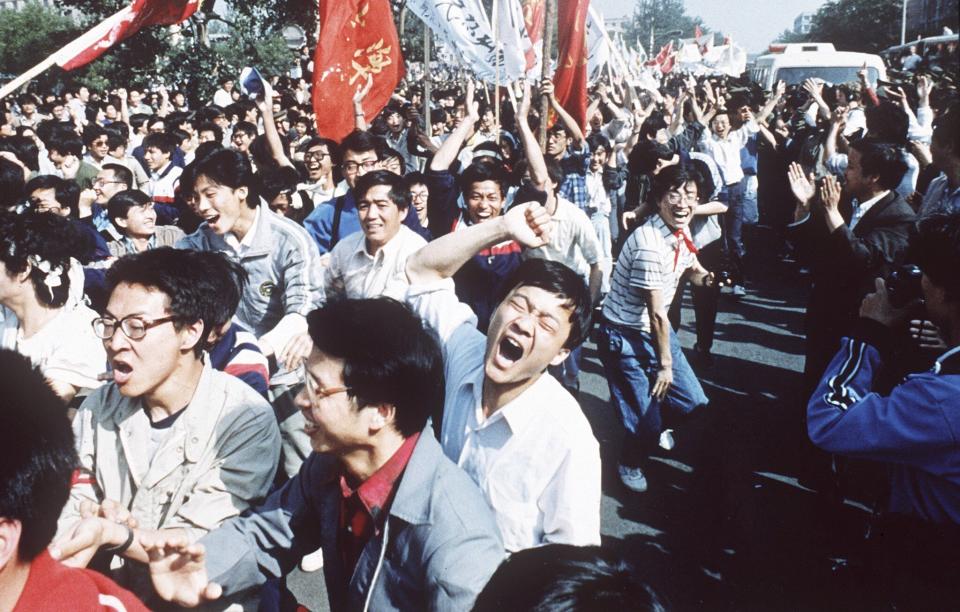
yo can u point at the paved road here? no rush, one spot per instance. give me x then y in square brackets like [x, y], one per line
[724, 525]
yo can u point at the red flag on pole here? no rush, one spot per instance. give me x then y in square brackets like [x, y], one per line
[534, 12]
[357, 41]
[697, 32]
[123, 25]
[570, 79]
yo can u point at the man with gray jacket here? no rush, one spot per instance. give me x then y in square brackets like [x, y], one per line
[400, 526]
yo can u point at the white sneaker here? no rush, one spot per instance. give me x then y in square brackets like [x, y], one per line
[632, 478]
[666, 439]
[313, 561]
[739, 291]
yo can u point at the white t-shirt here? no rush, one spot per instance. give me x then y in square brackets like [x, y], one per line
[66, 349]
[573, 241]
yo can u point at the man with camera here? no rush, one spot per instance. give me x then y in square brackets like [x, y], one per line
[916, 428]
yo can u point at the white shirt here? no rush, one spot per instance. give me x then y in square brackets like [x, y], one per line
[859, 210]
[536, 459]
[726, 151]
[597, 193]
[240, 247]
[222, 98]
[354, 273]
[573, 241]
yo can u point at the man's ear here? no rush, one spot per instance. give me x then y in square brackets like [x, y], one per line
[405, 211]
[120, 222]
[242, 192]
[10, 530]
[191, 335]
[561, 356]
[385, 415]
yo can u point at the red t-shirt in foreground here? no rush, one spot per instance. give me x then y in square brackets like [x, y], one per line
[54, 586]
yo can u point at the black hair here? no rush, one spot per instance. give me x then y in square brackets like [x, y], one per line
[225, 167]
[182, 275]
[121, 202]
[887, 122]
[24, 148]
[558, 279]
[569, 578]
[11, 183]
[118, 134]
[389, 357]
[246, 127]
[645, 156]
[65, 143]
[398, 193]
[484, 170]
[38, 453]
[651, 125]
[273, 181]
[946, 129]
[47, 237]
[555, 171]
[228, 278]
[936, 250]
[120, 173]
[596, 140]
[161, 141]
[209, 126]
[66, 192]
[92, 132]
[703, 177]
[359, 142]
[316, 141]
[881, 159]
[673, 177]
[414, 178]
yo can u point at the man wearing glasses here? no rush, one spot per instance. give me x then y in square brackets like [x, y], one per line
[318, 157]
[334, 220]
[170, 443]
[400, 526]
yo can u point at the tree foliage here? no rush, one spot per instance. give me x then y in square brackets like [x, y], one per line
[30, 34]
[668, 20]
[857, 25]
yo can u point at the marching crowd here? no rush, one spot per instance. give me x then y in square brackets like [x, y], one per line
[275, 349]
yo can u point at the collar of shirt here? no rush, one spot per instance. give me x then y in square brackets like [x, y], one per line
[859, 210]
[156, 176]
[953, 353]
[241, 246]
[519, 412]
[131, 248]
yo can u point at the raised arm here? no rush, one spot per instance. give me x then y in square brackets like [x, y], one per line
[546, 88]
[535, 160]
[772, 102]
[360, 120]
[448, 151]
[272, 135]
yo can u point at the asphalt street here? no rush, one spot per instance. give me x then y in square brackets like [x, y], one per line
[725, 525]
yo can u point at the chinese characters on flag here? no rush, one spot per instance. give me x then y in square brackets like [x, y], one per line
[357, 41]
[570, 78]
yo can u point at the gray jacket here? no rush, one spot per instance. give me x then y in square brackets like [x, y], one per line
[438, 548]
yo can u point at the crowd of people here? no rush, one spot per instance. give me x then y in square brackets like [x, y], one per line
[276, 349]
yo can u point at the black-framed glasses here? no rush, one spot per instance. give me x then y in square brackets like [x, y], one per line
[312, 155]
[132, 326]
[352, 166]
[316, 393]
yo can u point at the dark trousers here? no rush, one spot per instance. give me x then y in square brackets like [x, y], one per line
[705, 299]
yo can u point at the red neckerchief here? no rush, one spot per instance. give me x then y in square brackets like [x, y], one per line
[681, 237]
[363, 510]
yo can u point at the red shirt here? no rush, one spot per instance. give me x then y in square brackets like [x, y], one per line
[54, 586]
[363, 510]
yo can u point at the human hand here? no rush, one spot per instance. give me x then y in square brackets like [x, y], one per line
[877, 306]
[780, 89]
[801, 185]
[296, 350]
[546, 89]
[662, 383]
[523, 110]
[927, 335]
[529, 224]
[830, 194]
[362, 92]
[70, 166]
[924, 87]
[838, 117]
[178, 569]
[862, 73]
[80, 543]
[110, 510]
[814, 88]
[922, 152]
[628, 219]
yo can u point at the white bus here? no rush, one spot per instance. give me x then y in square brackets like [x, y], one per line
[793, 63]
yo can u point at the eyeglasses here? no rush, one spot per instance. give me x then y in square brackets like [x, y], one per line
[132, 326]
[99, 143]
[419, 195]
[43, 206]
[674, 197]
[315, 155]
[316, 393]
[352, 166]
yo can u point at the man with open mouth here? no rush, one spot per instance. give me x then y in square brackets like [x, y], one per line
[507, 422]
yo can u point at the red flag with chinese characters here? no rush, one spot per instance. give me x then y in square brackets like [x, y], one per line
[357, 41]
[123, 25]
[534, 13]
[570, 79]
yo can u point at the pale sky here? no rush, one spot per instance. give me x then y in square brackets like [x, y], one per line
[753, 24]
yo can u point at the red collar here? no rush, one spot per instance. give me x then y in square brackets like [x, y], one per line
[375, 492]
[682, 238]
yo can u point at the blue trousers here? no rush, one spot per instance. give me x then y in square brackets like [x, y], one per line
[630, 363]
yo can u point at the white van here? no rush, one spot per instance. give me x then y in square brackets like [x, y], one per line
[793, 63]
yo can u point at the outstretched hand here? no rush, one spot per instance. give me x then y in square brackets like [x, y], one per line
[801, 185]
[178, 569]
[529, 224]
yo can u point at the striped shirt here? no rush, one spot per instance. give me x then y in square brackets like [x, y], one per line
[652, 258]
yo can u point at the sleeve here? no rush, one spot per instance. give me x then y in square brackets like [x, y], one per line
[83, 484]
[333, 282]
[247, 457]
[302, 289]
[845, 416]
[646, 271]
[571, 502]
[442, 209]
[461, 567]
[869, 254]
[810, 115]
[269, 541]
[319, 224]
[79, 359]
[586, 238]
[837, 164]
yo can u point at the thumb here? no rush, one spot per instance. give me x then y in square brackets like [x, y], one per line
[880, 285]
[212, 591]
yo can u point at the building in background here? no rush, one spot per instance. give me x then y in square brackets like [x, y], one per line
[803, 23]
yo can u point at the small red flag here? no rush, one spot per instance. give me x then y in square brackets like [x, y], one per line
[570, 79]
[123, 25]
[534, 13]
[697, 32]
[357, 41]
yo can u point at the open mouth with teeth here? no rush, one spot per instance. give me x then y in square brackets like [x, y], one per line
[509, 350]
[211, 221]
[121, 372]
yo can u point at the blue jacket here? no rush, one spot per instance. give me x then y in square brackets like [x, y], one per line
[438, 548]
[916, 428]
[319, 223]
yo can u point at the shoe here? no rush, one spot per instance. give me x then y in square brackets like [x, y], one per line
[632, 478]
[666, 441]
[702, 357]
[313, 561]
[739, 291]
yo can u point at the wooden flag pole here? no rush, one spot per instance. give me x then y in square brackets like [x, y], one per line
[427, 81]
[496, 67]
[549, 25]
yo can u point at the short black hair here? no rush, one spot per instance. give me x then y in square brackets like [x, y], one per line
[673, 177]
[881, 159]
[226, 167]
[66, 192]
[414, 178]
[569, 578]
[936, 250]
[389, 357]
[645, 156]
[183, 275]
[359, 142]
[245, 127]
[556, 278]
[38, 453]
[161, 141]
[209, 126]
[887, 122]
[596, 140]
[24, 148]
[119, 205]
[92, 132]
[651, 125]
[228, 278]
[485, 169]
[47, 237]
[274, 181]
[316, 141]
[11, 183]
[65, 143]
[120, 173]
[398, 193]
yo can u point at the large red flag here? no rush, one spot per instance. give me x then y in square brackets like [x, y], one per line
[122, 25]
[357, 41]
[570, 79]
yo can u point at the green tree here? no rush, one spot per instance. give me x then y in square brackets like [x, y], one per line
[791, 36]
[857, 25]
[666, 18]
[29, 35]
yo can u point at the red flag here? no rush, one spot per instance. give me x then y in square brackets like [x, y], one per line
[533, 17]
[697, 32]
[357, 41]
[665, 52]
[570, 79]
[123, 25]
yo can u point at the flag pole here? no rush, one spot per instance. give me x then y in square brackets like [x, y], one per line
[549, 25]
[427, 89]
[75, 46]
[496, 67]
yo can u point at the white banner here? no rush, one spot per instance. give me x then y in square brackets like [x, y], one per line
[598, 47]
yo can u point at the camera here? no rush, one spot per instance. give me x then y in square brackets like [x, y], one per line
[903, 286]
